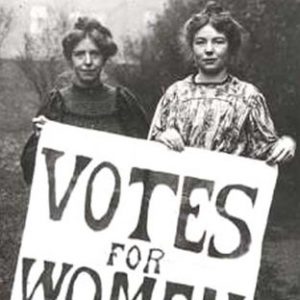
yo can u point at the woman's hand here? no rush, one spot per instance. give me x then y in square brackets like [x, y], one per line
[172, 139]
[283, 151]
[39, 123]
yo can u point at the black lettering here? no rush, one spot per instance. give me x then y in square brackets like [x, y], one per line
[130, 264]
[155, 255]
[52, 155]
[103, 222]
[235, 297]
[245, 240]
[210, 294]
[186, 209]
[121, 281]
[50, 291]
[95, 277]
[173, 289]
[150, 179]
[113, 253]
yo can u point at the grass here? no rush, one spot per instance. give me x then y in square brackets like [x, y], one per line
[280, 271]
[17, 105]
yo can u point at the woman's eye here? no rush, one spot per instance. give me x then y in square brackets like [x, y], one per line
[199, 42]
[78, 54]
[95, 54]
[220, 41]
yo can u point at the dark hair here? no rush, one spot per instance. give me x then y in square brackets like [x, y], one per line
[221, 20]
[87, 27]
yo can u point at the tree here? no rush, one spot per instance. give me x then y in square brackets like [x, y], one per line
[42, 61]
[155, 61]
[6, 17]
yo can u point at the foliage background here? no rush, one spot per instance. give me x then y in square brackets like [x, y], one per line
[270, 60]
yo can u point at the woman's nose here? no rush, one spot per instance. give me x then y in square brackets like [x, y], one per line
[87, 59]
[209, 48]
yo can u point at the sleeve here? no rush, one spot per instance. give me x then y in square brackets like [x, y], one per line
[132, 114]
[51, 110]
[163, 116]
[260, 128]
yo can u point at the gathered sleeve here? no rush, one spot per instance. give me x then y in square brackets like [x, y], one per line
[261, 133]
[165, 114]
[132, 114]
[53, 107]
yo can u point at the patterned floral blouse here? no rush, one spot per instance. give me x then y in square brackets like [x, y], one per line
[231, 117]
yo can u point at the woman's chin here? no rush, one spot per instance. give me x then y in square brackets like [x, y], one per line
[87, 81]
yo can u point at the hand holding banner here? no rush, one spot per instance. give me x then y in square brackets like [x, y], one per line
[116, 218]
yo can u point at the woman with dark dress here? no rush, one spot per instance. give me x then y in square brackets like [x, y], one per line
[88, 102]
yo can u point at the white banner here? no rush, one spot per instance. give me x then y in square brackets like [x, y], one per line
[117, 218]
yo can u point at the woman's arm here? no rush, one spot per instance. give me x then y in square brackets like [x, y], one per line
[163, 127]
[263, 138]
[282, 151]
[51, 110]
[133, 114]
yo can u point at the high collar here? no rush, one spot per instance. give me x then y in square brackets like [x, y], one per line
[208, 83]
[88, 89]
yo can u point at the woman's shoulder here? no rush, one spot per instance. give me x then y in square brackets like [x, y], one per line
[124, 92]
[245, 87]
[52, 105]
[61, 92]
[180, 85]
[129, 104]
[126, 97]
[54, 97]
[110, 89]
[245, 90]
[250, 93]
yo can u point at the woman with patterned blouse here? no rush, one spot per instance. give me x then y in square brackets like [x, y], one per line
[212, 109]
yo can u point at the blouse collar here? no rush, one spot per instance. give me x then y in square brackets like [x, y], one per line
[90, 89]
[225, 80]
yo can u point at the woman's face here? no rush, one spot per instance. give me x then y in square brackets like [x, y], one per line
[87, 62]
[210, 49]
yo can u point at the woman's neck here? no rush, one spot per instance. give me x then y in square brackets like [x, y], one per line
[211, 78]
[87, 85]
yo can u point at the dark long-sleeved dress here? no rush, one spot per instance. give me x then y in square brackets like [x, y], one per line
[105, 108]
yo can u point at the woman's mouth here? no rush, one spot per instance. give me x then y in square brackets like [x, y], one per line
[88, 71]
[209, 60]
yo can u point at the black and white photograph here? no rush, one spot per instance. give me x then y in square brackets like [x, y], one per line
[149, 150]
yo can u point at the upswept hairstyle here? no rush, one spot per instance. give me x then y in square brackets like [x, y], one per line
[221, 20]
[87, 27]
